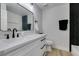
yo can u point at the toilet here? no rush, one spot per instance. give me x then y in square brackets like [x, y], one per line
[49, 45]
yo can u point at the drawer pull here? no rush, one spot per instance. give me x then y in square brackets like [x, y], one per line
[43, 39]
[43, 46]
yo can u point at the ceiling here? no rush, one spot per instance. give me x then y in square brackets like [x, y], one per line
[41, 5]
[46, 5]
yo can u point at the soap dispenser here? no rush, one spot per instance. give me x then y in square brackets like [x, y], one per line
[7, 36]
[17, 34]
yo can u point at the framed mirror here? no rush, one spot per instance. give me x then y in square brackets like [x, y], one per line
[19, 17]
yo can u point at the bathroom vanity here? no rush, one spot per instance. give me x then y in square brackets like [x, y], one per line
[30, 45]
[15, 44]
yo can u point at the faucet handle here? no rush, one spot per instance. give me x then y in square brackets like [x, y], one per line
[7, 36]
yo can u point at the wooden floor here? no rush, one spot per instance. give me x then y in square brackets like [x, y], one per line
[57, 52]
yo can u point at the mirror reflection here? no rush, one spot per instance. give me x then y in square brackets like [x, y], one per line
[18, 17]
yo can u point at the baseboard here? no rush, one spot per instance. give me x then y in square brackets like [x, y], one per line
[62, 48]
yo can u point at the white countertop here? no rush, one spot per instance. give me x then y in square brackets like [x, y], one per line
[10, 44]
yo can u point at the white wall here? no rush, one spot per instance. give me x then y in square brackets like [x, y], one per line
[14, 20]
[51, 17]
[3, 17]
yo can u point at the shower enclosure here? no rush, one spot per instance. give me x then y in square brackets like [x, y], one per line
[74, 28]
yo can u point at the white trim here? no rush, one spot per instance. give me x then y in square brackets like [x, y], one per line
[62, 48]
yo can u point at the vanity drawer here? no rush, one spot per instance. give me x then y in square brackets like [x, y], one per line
[43, 49]
[35, 51]
[38, 50]
[23, 50]
[43, 46]
[43, 42]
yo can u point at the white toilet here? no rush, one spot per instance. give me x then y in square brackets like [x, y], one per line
[49, 45]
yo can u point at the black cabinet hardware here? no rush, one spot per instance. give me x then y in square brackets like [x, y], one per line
[43, 46]
[43, 39]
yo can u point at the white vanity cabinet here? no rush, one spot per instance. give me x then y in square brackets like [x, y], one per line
[36, 47]
[39, 49]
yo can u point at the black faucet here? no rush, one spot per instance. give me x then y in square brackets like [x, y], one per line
[13, 35]
[7, 35]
